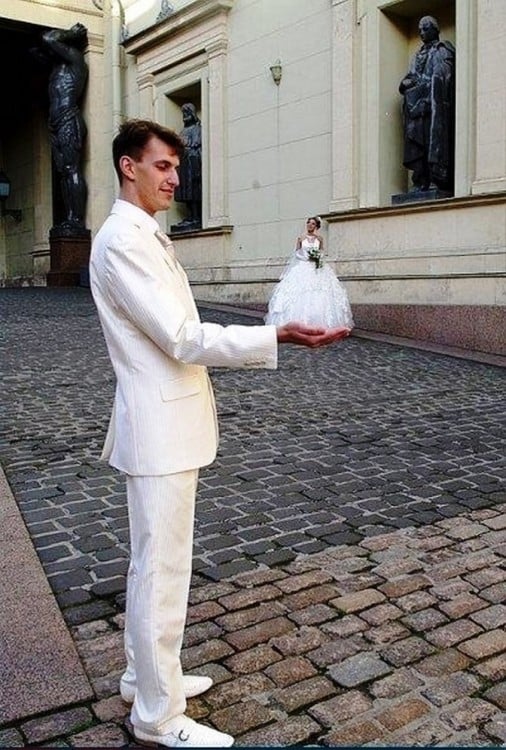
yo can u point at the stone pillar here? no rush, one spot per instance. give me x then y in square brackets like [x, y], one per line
[147, 94]
[42, 205]
[490, 166]
[217, 136]
[345, 125]
[102, 127]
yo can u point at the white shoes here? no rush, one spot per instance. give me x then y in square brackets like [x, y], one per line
[184, 732]
[193, 685]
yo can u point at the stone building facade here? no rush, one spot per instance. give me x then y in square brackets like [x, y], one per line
[324, 138]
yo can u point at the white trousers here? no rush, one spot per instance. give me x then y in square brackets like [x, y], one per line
[161, 515]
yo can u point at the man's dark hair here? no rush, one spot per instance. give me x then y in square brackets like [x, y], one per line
[133, 137]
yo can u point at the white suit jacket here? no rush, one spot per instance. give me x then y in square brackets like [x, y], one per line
[164, 414]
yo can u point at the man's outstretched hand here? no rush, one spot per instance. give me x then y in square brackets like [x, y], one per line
[312, 336]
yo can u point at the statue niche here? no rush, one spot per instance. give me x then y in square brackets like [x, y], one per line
[189, 190]
[428, 114]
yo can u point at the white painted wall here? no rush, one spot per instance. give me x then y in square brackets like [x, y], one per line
[279, 136]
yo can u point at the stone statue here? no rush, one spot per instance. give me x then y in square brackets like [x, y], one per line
[67, 81]
[429, 112]
[190, 170]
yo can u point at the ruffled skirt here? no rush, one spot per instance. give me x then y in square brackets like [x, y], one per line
[310, 295]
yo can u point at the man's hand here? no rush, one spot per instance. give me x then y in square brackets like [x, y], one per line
[312, 336]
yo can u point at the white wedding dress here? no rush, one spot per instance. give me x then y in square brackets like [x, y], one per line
[308, 294]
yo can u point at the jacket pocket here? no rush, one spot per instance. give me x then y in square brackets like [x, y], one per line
[180, 388]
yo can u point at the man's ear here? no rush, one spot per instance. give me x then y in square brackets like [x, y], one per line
[127, 166]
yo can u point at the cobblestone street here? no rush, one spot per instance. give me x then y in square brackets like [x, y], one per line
[349, 578]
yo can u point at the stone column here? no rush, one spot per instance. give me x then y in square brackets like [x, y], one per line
[215, 147]
[345, 130]
[42, 206]
[490, 173]
[146, 84]
[99, 114]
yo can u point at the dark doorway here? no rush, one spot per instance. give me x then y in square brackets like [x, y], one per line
[24, 77]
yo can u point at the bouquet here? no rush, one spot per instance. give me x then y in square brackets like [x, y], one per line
[315, 256]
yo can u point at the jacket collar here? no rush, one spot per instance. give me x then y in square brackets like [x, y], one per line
[135, 215]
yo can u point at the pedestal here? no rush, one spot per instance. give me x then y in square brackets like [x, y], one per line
[185, 226]
[69, 259]
[420, 195]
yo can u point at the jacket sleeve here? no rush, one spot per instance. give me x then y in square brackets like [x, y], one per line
[141, 292]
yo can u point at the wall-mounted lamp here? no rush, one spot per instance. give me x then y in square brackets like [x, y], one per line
[5, 191]
[276, 72]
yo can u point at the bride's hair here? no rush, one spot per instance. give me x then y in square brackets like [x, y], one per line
[316, 220]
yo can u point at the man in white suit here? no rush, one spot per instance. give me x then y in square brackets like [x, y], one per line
[163, 426]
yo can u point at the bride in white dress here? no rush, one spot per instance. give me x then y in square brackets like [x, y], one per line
[308, 290]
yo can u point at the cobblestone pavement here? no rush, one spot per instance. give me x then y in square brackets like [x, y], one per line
[349, 579]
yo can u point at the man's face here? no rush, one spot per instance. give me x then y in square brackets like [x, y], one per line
[428, 32]
[153, 179]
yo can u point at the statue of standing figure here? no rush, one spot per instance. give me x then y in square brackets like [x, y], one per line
[189, 190]
[429, 111]
[67, 128]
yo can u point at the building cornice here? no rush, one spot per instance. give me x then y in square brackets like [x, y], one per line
[190, 16]
[467, 201]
